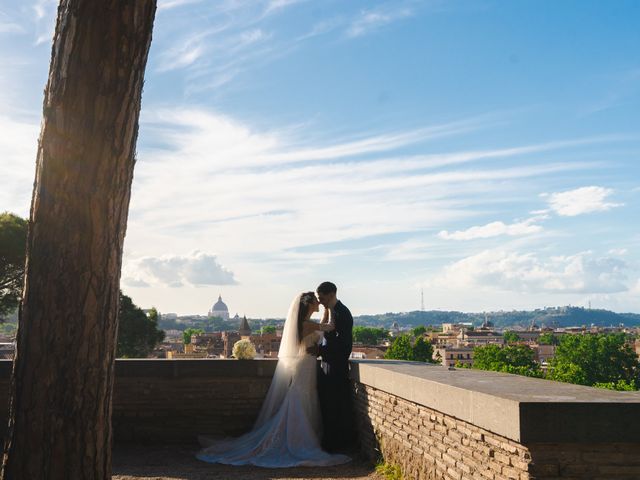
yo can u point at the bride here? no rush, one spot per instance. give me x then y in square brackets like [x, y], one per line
[287, 431]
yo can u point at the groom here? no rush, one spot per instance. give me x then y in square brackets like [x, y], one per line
[334, 387]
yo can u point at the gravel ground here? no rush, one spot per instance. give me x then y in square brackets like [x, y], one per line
[178, 463]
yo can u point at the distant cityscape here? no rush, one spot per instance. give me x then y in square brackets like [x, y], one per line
[453, 335]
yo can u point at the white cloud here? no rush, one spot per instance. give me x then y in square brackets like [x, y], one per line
[9, 27]
[45, 20]
[210, 49]
[371, 20]
[528, 272]
[278, 5]
[18, 144]
[322, 27]
[187, 50]
[580, 201]
[195, 269]
[212, 177]
[494, 229]
[168, 4]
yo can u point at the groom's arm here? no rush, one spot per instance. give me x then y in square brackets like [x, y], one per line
[341, 344]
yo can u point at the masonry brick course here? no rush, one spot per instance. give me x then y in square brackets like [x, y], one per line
[165, 401]
[173, 401]
[450, 448]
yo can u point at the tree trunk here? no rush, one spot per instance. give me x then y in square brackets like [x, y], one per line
[60, 413]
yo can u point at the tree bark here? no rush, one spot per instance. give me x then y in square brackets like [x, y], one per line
[62, 381]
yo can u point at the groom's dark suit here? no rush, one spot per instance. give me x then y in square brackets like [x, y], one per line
[334, 387]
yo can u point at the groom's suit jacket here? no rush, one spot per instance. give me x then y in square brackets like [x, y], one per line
[337, 348]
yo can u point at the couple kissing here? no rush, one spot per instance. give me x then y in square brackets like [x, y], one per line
[307, 413]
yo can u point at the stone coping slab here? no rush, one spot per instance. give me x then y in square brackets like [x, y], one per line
[178, 368]
[190, 368]
[527, 410]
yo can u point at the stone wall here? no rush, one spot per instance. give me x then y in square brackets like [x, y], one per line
[163, 401]
[172, 401]
[429, 444]
[434, 422]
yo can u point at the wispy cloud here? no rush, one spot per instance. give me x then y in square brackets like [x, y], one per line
[620, 86]
[198, 133]
[187, 50]
[494, 229]
[322, 27]
[213, 179]
[218, 43]
[9, 26]
[370, 20]
[45, 11]
[581, 201]
[169, 4]
[276, 5]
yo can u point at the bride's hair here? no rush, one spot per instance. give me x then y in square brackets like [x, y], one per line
[305, 300]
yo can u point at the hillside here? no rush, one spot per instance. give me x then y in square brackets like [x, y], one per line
[550, 317]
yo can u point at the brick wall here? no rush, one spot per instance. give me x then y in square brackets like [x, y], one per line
[434, 423]
[430, 445]
[165, 401]
[173, 401]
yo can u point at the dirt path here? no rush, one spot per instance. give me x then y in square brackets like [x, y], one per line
[178, 463]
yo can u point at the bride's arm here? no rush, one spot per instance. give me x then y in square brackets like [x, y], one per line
[325, 316]
[310, 326]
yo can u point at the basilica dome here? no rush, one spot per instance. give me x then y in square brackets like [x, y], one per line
[219, 309]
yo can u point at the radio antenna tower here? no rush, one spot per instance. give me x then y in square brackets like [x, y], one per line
[422, 299]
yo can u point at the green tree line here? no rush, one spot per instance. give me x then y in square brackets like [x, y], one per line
[597, 360]
[411, 346]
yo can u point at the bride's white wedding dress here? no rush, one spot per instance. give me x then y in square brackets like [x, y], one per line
[287, 431]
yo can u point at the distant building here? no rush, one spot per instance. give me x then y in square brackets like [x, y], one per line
[219, 309]
[477, 338]
[451, 355]
[395, 329]
[189, 352]
[267, 344]
[527, 336]
[229, 339]
[455, 327]
[245, 329]
[172, 334]
[362, 352]
[544, 353]
[212, 343]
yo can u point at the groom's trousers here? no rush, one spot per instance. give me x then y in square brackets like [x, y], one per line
[336, 406]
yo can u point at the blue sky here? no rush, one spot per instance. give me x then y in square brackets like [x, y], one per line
[486, 152]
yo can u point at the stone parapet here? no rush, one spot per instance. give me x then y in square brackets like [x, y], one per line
[164, 401]
[172, 401]
[434, 422]
[465, 424]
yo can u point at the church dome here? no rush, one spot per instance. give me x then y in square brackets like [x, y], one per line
[219, 309]
[220, 306]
